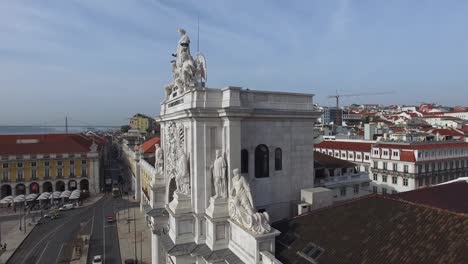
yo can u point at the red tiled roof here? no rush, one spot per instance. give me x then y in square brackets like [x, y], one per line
[375, 229]
[45, 144]
[148, 146]
[447, 132]
[345, 145]
[407, 156]
[327, 161]
[425, 145]
[451, 196]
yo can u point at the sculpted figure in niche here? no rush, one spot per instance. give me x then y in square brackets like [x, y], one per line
[159, 157]
[183, 174]
[219, 175]
[241, 207]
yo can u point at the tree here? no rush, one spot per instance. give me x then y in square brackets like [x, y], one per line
[125, 128]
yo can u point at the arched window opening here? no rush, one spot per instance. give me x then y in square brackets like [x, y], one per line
[261, 162]
[244, 161]
[278, 159]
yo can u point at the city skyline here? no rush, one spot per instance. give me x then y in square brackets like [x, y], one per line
[101, 62]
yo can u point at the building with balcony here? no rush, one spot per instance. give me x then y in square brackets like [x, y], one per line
[340, 176]
[50, 162]
[400, 167]
[356, 151]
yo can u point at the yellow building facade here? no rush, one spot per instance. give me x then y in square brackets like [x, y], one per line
[141, 122]
[27, 171]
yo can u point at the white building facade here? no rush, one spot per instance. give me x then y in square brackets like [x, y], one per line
[230, 162]
[401, 167]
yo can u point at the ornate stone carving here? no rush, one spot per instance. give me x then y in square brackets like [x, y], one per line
[186, 72]
[183, 174]
[159, 159]
[219, 175]
[176, 162]
[241, 207]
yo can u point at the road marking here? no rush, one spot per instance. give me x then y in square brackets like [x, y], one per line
[104, 236]
[40, 241]
[61, 248]
[39, 259]
[92, 225]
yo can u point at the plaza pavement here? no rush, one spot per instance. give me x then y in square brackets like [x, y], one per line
[127, 239]
[13, 237]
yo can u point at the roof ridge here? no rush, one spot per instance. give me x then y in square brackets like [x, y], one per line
[461, 215]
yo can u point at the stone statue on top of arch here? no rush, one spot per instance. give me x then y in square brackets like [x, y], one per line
[186, 72]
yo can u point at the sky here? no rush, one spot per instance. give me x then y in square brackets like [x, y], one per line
[101, 61]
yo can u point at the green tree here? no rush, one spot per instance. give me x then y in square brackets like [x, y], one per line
[125, 128]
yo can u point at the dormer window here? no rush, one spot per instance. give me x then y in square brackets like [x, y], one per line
[311, 252]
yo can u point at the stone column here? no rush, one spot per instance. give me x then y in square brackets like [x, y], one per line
[155, 248]
[137, 178]
[232, 145]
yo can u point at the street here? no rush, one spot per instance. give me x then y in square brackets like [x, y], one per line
[47, 241]
[52, 240]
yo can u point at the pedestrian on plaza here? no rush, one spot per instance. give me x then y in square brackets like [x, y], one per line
[4, 246]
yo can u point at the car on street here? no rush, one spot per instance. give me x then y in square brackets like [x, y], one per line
[52, 215]
[66, 207]
[97, 259]
[110, 219]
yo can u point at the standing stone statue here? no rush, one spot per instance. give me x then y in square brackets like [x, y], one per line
[219, 175]
[241, 207]
[159, 159]
[187, 72]
[183, 174]
[183, 49]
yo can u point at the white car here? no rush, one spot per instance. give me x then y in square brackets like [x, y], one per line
[97, 259]
[66, 207]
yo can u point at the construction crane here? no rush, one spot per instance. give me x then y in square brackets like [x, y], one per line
[337, 97]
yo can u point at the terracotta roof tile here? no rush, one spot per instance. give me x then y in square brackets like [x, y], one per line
[148, 146]
[327, 161]
[45, 144]
[451, 196]
[423, 145]
[376, 229]
[407, 156]
[345, 145]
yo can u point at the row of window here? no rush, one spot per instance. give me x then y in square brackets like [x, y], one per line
[46, 163]
[394, 179]
[20, 173]
[395, 153]
[442, 153]
[355, 190]
[394, 166]
[438, 179]
[344, 155]
[58, 156]
[437, 166]
[384, 190]
[262, 161]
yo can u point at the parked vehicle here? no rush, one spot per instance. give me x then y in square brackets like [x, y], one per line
[110, 219]
[116, 191]
[52, 215]
[66, 207]
[97, 259]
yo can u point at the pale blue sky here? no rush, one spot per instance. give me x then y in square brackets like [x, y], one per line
[101, 61]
